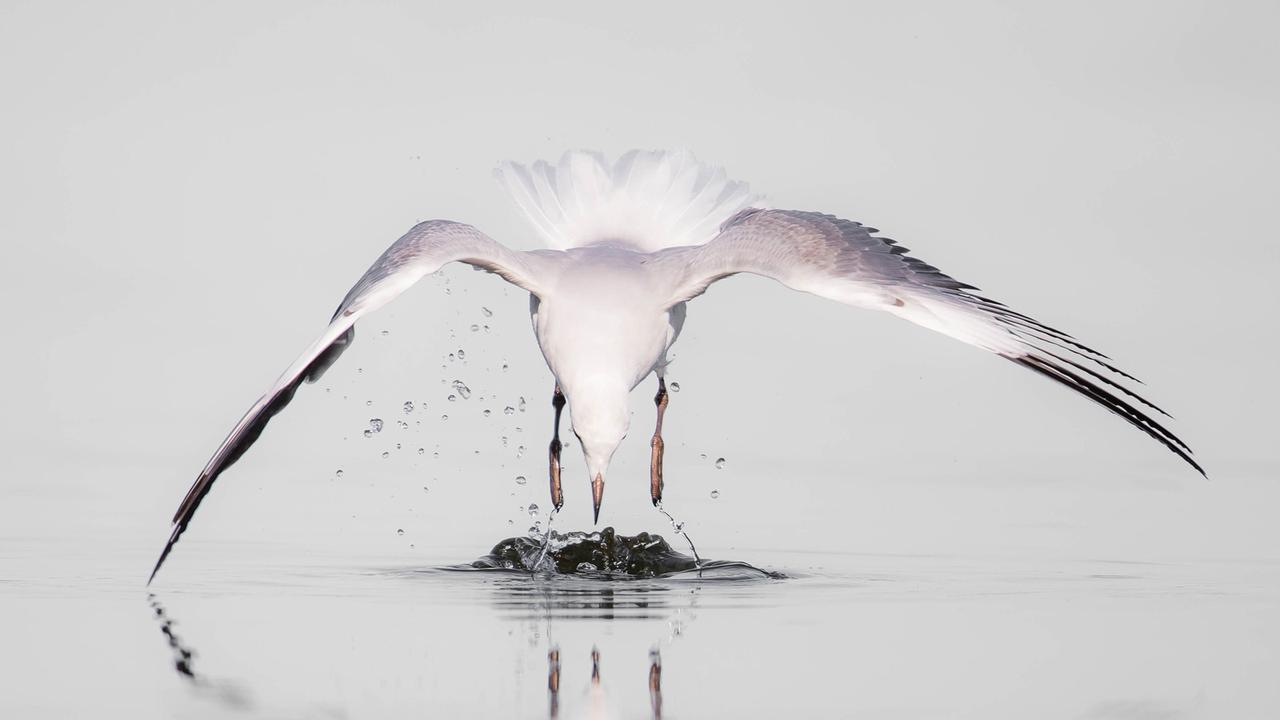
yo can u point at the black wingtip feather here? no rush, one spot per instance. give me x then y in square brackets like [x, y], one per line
[1100, 395]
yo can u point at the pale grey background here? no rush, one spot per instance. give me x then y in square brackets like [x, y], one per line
[188, 189]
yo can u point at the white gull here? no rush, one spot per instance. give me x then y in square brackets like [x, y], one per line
[630, 243]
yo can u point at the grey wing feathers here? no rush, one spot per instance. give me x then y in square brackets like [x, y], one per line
[423, 250]
[845, 261]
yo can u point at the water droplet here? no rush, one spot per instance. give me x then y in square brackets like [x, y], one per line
[719, 463]
[339, 473]
[520, 452]
[487, 412]
[368, 403]
[386, 333]
[675, 387]
[385, 454]
[462, 389]
[359, 370]
[435, 456]
[400, 531]
[508, 410]
[375, 424]
[452, 357]
[475, 328]
[397, 446]
[521, 403]
[715, 494]
[426, 489]
[702, 456]
[520, 480]
[368, 433]
[504, 441]
[461, 353]
[444, 417]
[452, 398]
[422, 451]
[504, 367]
[408, 406]
[486, 312]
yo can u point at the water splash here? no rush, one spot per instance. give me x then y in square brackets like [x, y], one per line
[604, 553]
[679, 528]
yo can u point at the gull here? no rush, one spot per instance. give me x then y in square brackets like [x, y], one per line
[629, 244]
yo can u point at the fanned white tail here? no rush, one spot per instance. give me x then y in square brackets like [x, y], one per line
[648, 200]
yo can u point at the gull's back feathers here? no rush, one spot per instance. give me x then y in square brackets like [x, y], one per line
[646, 200]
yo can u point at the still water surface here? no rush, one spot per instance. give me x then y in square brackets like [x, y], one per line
[274, 632]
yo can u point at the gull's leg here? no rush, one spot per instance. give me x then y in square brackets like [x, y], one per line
[656, 445]
[557, 496]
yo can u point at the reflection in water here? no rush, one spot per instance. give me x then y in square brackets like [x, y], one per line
[602, 576]
[590, 580]
[655, 683]
[183, 656]
[599, 706]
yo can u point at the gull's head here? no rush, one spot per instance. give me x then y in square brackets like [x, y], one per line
[600, 421]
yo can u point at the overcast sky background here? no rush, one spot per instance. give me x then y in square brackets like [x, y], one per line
[189, 189]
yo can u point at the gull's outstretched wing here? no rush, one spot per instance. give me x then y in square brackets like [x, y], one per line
[843, 260]
[420, 252]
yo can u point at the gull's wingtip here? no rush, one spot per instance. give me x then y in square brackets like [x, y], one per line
[168, 547]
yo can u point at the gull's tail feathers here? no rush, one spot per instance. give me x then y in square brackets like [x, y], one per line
[647, 200]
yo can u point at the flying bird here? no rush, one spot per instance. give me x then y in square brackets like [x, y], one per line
[629, 244]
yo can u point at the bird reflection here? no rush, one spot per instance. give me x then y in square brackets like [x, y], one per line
[184, 656]
[598, 707]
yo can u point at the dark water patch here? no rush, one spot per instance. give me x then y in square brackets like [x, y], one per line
[606, 555]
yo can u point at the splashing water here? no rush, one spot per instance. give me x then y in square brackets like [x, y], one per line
[606, 555]
[603, 553]
[679, 528]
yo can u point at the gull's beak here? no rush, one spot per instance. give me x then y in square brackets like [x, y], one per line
[597, 495]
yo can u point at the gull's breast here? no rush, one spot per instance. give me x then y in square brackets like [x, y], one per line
[602, 317]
